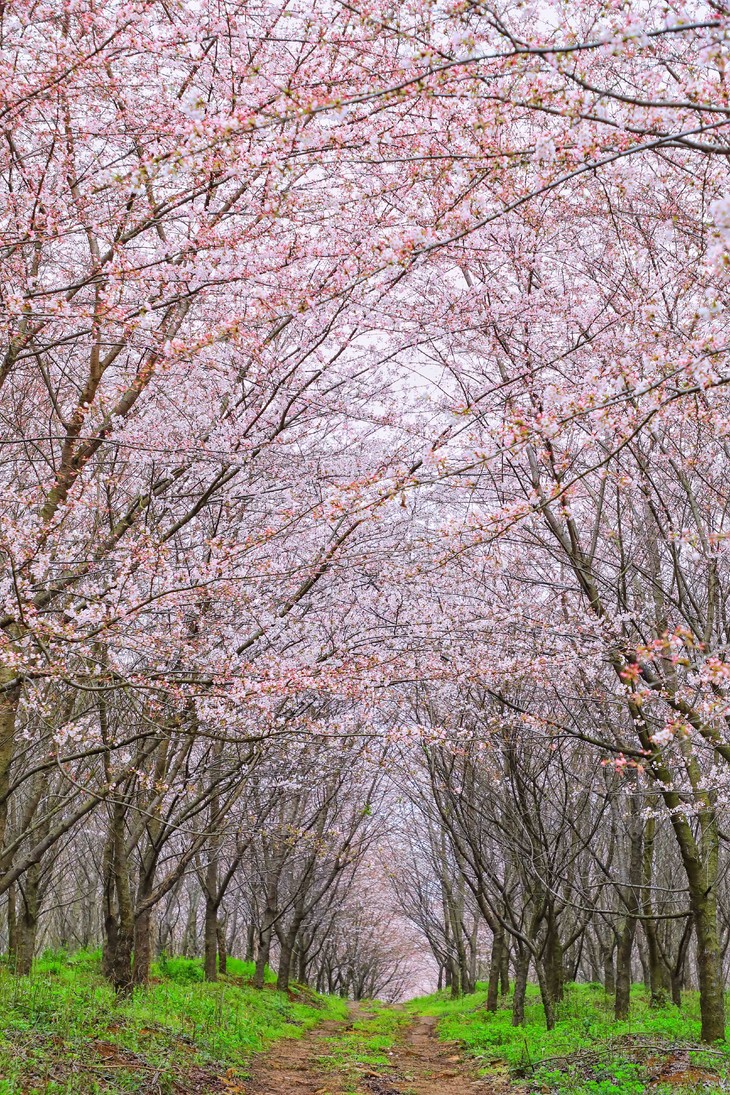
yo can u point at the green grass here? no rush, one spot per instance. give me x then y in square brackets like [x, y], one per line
[587, 1053]
[63, 1031]
[364, 1046]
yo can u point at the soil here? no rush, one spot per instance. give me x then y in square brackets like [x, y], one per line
[421, 1065]
[290, 1068]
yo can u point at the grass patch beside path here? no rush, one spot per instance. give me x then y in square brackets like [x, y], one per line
[363, 1048]
[63, 1032]
[587, 1053]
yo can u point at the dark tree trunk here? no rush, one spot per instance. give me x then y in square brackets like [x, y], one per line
[264, 948]
[27, 925]
[283, 975]
[222, 947]
[210, 940]
[609, 970]
[628, 929]
[677, 971]
[554, 972]
[495, 967]
[250, 941]
[504, 969]
[546, 996]
[12, 927]
[518, 1000]
[142, 947]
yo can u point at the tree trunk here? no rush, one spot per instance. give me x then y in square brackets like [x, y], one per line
[222, 947]
[609, 969]
[518, 1000]
[283, 975]
[709, 966]
[658, 978]
[700, 859]
[554, 972]
[495, 967]
[546, 996]
[250, 941]
[632, 900]
[264, 948]
[27, 928]
[504, 969]
[677, 971]
[210, 939]
[623, 968]
[8, 711]
[12, 927]
[142, 947]
[455, 978]
[119, 914]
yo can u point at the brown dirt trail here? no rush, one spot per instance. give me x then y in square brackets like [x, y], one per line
[291, 1068]
[421, 1065]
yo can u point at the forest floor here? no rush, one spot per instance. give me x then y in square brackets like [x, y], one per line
[63, 1032]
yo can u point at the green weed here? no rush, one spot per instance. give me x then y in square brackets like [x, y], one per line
[588, 1052]
[64, 1031]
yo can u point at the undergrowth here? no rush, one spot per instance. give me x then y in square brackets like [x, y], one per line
[588, 1052]
[62, 1030]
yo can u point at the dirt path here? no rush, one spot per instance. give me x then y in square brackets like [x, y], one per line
[290, 1068]
[424, 1065]
[421, 1065]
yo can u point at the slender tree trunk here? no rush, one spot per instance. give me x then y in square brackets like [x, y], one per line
[455, 978]
[518, 1000]
[264, 948]
[709, 966]
[12, 927]
[303, 962]
[504, 969]
[142, 947]
[546, 996]
[284, 972]
[609, 969]
[554, 972]
[27, 928]
[222, 947]
[628, 931]
[658, 979]
[119, 915]
[624, 952]
[9, 702]
[250, 941]
[210, 939]
[495, 966]
[677, 971]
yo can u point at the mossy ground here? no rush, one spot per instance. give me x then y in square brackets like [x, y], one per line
[63, 1031]
[588, 1052]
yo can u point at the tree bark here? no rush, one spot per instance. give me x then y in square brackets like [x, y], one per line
[628, 930]
[210, 939]
[264, 948]
[518, 1000]
[495, 967]
[222, 947]
[27, 928]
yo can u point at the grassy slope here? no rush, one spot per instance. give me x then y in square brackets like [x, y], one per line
[587, 1053]
[62, 1031]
